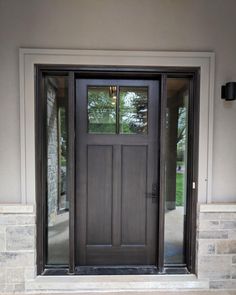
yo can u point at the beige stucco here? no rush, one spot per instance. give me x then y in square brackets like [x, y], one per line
[185, 25]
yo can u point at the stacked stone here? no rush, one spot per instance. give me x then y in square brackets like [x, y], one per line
[17, 247]
[217, 245]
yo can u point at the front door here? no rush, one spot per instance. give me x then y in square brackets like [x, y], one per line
[116, 172]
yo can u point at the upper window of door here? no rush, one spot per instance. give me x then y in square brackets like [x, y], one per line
[117, 110]
[101, 109]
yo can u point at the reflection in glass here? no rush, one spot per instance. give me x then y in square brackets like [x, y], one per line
[176, 169]
[133, 109]
[62, 157]
[57, 147]
[101, 109]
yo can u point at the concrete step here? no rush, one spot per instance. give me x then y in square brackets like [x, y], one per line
[137, 283]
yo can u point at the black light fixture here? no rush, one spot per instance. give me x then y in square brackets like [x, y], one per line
[228, 91]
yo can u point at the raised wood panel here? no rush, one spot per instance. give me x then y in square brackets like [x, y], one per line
[124, 255]
[134, 189]
[99, 198]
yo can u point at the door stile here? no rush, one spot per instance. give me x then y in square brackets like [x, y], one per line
[161, 168]
[40, 172]
[71, 171]
[80, 161]
[190, 234]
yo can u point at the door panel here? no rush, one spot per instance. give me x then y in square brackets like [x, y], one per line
[99, 201]
[134, 190]
[116, 219]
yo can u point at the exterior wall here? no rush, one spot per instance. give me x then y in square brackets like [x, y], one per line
[185, 25]
[217, 245]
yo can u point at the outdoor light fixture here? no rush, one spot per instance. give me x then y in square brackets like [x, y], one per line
[228, 91]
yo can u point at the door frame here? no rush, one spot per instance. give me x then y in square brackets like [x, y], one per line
[114, 73]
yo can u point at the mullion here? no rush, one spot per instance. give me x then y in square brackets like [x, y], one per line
[71, 169]
[117, 110]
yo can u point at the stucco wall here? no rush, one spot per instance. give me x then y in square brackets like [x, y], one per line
[186, 25]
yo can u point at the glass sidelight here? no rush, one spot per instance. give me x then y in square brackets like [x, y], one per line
[176, 161]
[56, 92]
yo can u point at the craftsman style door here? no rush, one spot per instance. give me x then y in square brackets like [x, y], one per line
[116, 172]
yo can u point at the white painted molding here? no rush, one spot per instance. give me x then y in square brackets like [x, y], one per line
[16, 209]
[28, 58]
[218, 207]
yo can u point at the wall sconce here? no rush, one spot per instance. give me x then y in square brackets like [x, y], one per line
[228, 91]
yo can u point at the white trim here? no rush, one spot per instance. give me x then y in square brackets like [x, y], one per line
[22, 130]
[16, 209]
[29, 57]
[218, 208]
[210, 128]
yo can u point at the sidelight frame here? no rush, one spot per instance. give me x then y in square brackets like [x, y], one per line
[114, 72]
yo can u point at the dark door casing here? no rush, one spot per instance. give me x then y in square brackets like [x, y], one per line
[116, 208]
[123, 221]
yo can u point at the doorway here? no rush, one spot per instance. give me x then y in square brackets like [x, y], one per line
[118, 161]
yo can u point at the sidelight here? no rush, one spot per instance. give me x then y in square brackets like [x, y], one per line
[176, 147]
[56, 92]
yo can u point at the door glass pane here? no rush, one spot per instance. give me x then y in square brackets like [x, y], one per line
[102, 109]
[57, 151]
[133, 110]
[176, 169]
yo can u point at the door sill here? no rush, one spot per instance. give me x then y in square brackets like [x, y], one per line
[117, 270]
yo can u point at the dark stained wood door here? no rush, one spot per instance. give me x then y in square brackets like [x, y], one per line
[116, 172]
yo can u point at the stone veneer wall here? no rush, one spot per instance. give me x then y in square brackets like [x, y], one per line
[17, 247]
[216, 253]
